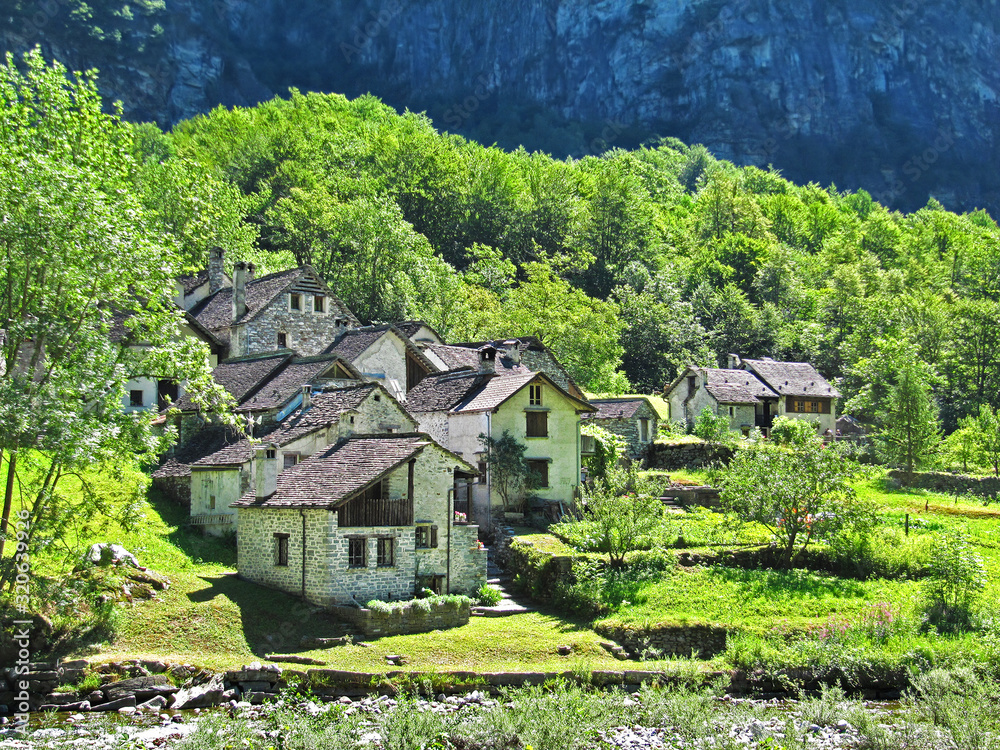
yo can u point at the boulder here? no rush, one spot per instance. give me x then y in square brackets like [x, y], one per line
[143, 688]
[104, 553]
[200, 696]
[127, 702]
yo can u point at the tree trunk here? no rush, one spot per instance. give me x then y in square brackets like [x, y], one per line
[8, 499]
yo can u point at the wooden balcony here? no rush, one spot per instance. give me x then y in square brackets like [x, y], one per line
[211, 519]
[364, 512]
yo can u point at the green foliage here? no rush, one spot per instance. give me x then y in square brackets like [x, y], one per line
[488, 596]
[800, 495]
[793, 433]
[986, 429]
[507, 467]
[713, 428]
[608, 449]
[624, 518]
[418, 605]
[956, 578]
[909, 434]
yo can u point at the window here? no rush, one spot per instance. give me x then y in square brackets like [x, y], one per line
[295, 301]
[270, 453]
[535, 395]
[732, 411]
[319, 304]
[481, 466]
[427, 536]
[538, 473]
[281, 550]
[290, 460]
[135, 398]
[211, 502]
[644, 429]
[386, 551]
[356, 552]
[537, 424]
[282, 340]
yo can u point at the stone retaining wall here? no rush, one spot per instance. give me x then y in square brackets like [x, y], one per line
[408, 619]
[953, 484]
[701, 641]
[686, 455]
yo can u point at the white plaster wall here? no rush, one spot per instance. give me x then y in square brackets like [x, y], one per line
[385, 362]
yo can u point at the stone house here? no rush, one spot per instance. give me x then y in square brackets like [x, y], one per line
[385, 354]
[633, 419]
[457, 406]
[366, 518]
[420, 333]
[736, 394]
[515, 356]
[290, 310]
[800, 393]
[221, 471]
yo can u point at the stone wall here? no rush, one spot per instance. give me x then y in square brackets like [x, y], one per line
[307, 332]
[177, 489]
[468, 561]
[628, 429]
[411, 618]
[702, 641]
[670, 456]
[953, 484]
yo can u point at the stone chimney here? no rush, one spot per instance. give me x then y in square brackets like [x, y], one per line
[306, 397]
[240, 273]
[266, 465]
[734, 361]
[487, 360]
[512, 349]
[216, 270]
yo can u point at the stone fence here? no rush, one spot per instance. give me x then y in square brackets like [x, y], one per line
[671, 456]
[700, 641]
[417, 616]
[953, 484]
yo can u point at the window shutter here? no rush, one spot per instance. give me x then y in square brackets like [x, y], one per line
[434, 536]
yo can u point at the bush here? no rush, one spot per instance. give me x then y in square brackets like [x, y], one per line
[956, 580]
[489, 596]
[712, 428]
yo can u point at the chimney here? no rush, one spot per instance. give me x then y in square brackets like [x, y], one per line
[487, 360]
[306, 397]
[251, 268]
[266, 460]
[513, 351]
[240, 289]
[216, 270]
[734, 361]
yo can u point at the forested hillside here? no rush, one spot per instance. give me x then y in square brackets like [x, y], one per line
[629, 265]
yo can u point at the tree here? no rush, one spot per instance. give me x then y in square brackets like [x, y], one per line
[508, 470]
[801, 495]
[963, 445]
[987, 433]
[712, 428]
[956, 578]
[794, 433]
[625, 517]
[85, 271]
[909, 433]
[608, 449]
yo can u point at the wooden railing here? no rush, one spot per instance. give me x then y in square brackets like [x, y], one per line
[376, 512]
[213, 518]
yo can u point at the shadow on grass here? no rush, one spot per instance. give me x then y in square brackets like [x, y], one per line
[191, 541]
[272, 621]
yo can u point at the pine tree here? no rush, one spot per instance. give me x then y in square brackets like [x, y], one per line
[910, 434]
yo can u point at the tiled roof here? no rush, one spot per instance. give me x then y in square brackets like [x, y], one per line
[286, 383]
[735, 386]
[333, 475]
[461, 356]
[412, 327]
[615, 408]
[242, 376]
[210, 440]
[191, 281]
[353, 342]
[216, 311]
[441, 391]
[326, 408]
[493, 392]
[792, 378]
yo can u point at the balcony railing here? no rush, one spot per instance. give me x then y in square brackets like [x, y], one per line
[210, 519]
[376, 512]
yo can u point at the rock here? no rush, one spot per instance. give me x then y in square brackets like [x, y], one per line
[103, 554]
[156, 702]
[255, 699]
[143, 688]
[200, 696]
[76, 706]
[127, 702]
[294, 659]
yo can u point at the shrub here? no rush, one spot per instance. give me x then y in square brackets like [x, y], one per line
[956, 580]
[489, 596]
[712, 428]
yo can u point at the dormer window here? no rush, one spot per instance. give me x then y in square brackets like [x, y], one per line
[319, 304]
[295, 301]
[535, 395]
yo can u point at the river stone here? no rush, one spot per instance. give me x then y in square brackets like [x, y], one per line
[200, 696]
[127, 702]
[143, 688]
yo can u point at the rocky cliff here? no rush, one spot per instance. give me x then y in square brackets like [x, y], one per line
[897, 97]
